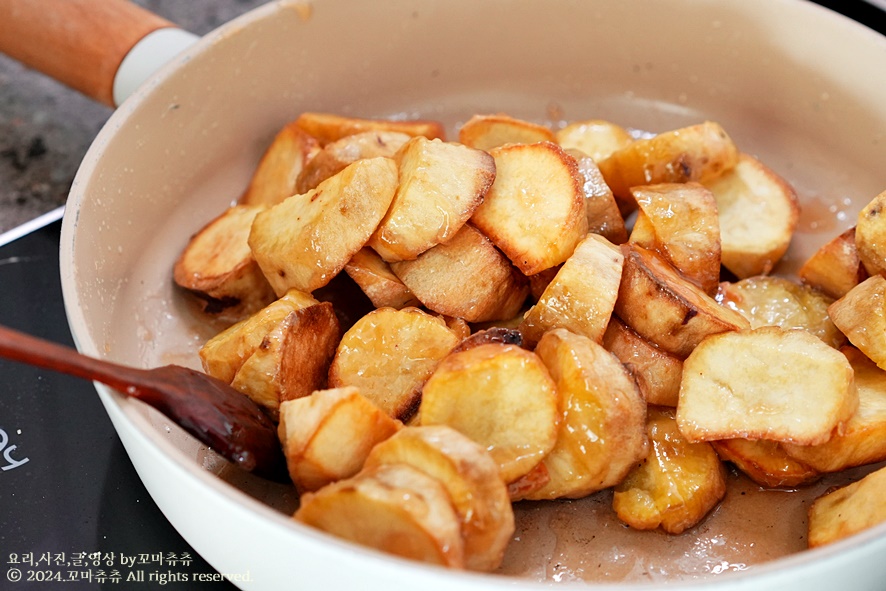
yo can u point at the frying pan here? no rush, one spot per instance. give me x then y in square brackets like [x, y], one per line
[794, 84]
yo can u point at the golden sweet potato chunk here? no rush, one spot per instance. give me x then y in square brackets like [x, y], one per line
[388, 354]
[759, 211]
[458, 326]
[861, 316]
[602, 431]
[218, 268]
[582, 294]
[664, 307]
[502, 397]
[467, 277]
[657, 372]
[863, 440]
[328, 435]
[303, 242]
[530, 482]
[539, 282]
[870, 235]
[441, 184]
[378, 281]
[275, 176]
[393, 508]
[496, 334]
[696, 153]
[293, 359]
[765, 462]
[328, 127]
[535, 211]
[336, 156]
[680, 222]
[595, 137]
[766, 300]
[224, 354]
[835, 267]
[765, 383]
[485, 132]
[675, 486]
[604, 215]
[471, 478]
[848, 510]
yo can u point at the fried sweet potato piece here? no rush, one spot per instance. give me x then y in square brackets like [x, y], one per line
[848, 510]
[595, 137]
[602, 431]
[535, 211]
[664, 307]
[696, 153]
[467, 277]
[336, 156]
[680, 222]
[765, 383]
[604, 215]
[441, 184]
[657, 372]
[328, 127]
[293, 359]
[394, 508]
[675, 486]
[389, 354]
[765, 462]
[759, 211]
[767, 300]
[218, 268]
[495, 334]
[378, 281]
[328, 435]
[303, 242]
[582, 294]
[863, 440]
[870, 235]
[275, 178]
[861, 316]
[502, 397]
[224, 354]
[485, 132]
[835, 267]
[471, 478]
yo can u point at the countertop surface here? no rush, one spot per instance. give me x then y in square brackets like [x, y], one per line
[46, 128]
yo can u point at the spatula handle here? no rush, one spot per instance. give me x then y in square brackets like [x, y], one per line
[80, 43]
[17, 346]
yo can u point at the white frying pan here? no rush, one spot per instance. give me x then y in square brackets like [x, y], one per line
[794, 84]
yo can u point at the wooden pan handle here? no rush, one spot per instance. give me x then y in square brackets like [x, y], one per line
[80, 43]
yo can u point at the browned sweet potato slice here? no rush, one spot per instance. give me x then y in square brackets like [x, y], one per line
[485, 132]
[766, 383]
[502, 397]
[665, 308]
[602, 431]
[835, 267]
[675, 486]
[217, 266]
[696, 153]
[535, 211]
[327, 127]
[467, 277]
[328, 435]
[388, 354]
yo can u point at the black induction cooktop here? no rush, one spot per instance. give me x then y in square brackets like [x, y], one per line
[73, 513]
